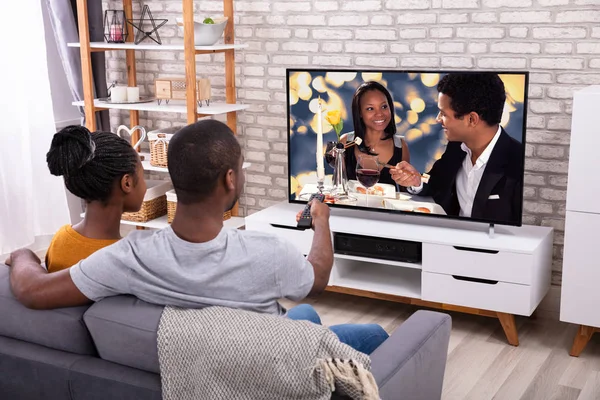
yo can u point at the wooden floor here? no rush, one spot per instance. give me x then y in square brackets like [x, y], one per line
[481, 365]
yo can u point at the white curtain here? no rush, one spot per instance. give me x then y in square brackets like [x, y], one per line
[32, 202]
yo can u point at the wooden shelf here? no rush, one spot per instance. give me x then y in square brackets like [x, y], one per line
[188, 107]
[148, 167]
[103, 46]
[162, 222]
[378, 261]
[174, 106]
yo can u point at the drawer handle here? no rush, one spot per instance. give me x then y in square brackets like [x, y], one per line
[292, 228]
[487, 251]
[477, 280]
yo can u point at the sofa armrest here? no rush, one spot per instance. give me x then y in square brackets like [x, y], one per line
[410, 365]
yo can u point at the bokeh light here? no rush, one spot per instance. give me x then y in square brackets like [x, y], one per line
[417, 105]
[430, 80]
[372, 76]
[412, 117]
[319, 84]
[337, 79]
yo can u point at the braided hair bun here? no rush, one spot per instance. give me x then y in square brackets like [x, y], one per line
[90, 163]
[71, 148]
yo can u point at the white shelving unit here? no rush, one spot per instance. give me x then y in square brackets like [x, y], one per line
[162, 222]
[149, 167]
[159, 47]
[174, 106]
[188, 107]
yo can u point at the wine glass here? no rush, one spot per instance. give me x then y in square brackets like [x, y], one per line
[329, 154]
[367, 172]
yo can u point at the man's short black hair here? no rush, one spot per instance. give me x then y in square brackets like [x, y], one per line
[482, 93]
[199, 156]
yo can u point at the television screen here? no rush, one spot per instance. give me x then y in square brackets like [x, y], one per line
[439, 143]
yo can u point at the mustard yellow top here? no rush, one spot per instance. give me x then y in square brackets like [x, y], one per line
[68, 247]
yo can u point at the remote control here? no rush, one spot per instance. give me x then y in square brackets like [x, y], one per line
[305, 221]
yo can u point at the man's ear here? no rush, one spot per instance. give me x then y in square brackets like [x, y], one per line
[127, 183]
[230, 179]
[473, 119]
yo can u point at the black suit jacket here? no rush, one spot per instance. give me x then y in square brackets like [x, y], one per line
[502, 179]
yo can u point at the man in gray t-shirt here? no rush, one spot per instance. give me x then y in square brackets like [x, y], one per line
[196, 262]
[237, 269]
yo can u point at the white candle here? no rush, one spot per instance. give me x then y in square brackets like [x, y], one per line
[118, 94]
[133, 94]
[320, 166]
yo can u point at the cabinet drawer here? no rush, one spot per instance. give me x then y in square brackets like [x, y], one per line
[475, 263]
[494, 296]
[301, 239]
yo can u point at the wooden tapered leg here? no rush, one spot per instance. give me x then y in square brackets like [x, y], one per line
[583, 336]
[510, 328]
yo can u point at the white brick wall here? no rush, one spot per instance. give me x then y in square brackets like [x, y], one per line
[557, 40]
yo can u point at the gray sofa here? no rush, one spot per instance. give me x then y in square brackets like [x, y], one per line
[108, 351]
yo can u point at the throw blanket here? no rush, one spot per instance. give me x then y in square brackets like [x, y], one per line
[223, 353]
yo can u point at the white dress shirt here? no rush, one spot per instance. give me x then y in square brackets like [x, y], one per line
[469, 176]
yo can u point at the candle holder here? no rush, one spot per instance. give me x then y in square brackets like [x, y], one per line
[115, 26]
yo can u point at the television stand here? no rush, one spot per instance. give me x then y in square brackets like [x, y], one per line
[461, 269]
[491, 231]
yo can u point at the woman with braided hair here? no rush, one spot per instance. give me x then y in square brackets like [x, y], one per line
[105, 171]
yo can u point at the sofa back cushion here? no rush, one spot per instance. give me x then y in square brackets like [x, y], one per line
[60, 329]
[124, 330]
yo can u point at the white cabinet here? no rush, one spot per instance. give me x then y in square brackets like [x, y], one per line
[583, 191]
[462, 267]
[580, 291]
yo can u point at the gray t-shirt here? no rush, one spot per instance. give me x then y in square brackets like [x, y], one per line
[238, 269]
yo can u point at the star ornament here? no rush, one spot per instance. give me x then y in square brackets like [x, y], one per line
[141, 34]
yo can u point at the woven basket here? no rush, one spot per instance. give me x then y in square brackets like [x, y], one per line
[154, 204]
[172, 207]
[159, 145]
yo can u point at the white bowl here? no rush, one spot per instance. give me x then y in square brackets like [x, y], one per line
[206, 34]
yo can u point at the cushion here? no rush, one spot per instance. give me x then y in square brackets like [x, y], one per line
[124, 330]
[60, 329]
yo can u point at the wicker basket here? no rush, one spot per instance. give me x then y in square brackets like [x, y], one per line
[172, 207]
[159, 145]
[154, 204]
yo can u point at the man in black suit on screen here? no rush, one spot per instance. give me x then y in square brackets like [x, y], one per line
[480, 173]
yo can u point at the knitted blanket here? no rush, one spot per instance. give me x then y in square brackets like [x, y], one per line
[223, 353]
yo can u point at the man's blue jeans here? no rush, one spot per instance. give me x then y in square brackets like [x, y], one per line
[362, 337]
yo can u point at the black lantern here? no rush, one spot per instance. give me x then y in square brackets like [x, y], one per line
[115, 26]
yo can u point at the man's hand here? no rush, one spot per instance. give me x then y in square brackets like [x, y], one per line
[34, 287]
[318, 211]
[25, 254]
[405, 175]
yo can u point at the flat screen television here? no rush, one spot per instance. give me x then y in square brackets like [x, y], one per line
[447, 144]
